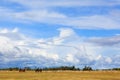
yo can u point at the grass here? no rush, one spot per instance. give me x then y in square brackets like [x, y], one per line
[62, 75]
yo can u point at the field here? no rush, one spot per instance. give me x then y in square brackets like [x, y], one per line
[61, 75]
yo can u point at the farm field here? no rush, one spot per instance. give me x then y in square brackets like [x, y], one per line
[61, 75]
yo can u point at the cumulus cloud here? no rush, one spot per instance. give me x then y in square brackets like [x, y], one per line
[65, 49]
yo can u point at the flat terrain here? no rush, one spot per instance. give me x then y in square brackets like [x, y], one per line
[62, 75]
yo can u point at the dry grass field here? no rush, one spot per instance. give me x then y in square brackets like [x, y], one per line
[62, 75]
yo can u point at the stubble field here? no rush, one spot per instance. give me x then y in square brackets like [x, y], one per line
[61, 75]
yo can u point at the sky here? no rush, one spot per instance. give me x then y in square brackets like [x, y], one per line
[50, 33]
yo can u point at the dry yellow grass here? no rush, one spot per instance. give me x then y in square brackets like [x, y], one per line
[62, 75]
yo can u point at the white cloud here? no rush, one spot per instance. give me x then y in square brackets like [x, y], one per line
[45, 13]
[11, 34]
[72, 50]
[72, 59]
[44, 16]
[115, 14]
[4, 31]
[108, 60]
[66, 32]
[89, 22]
[15, 30]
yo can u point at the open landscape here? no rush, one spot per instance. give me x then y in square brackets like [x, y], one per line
[60, 75]
[59, 39]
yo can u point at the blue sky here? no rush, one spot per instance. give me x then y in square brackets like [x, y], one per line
[64, 32]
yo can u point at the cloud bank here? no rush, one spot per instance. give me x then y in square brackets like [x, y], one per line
[67, 48]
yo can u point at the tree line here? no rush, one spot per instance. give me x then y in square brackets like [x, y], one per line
[73, 68]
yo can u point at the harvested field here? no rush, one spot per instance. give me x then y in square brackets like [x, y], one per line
[61, 75]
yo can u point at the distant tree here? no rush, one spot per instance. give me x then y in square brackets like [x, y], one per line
[62, 68]
[10, 69]
[118, 69]
[87, 68]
